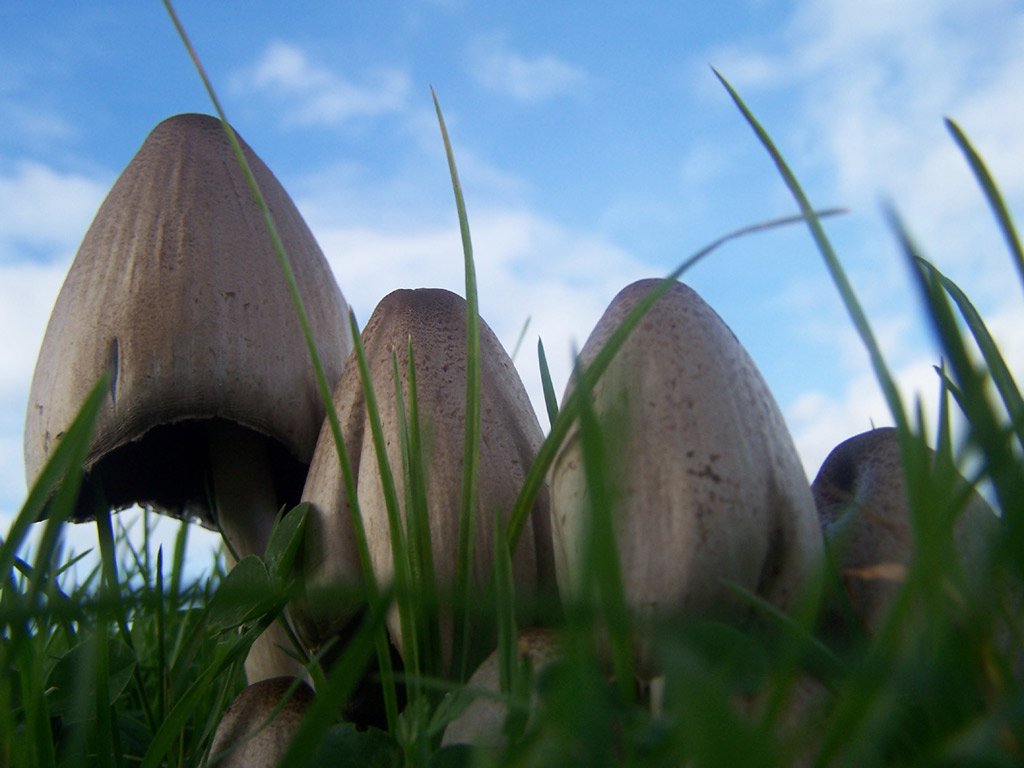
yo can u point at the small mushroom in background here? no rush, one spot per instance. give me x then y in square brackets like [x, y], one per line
[482, 722]
[435, 322]
[710, 490]
[245, 731]
[176, 290]
[861, 495]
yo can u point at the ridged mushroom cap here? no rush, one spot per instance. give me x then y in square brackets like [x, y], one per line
[711, 489]
[176, 290]
[435, 321]
[861, 496]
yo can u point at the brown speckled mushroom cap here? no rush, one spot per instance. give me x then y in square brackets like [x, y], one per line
[177, 290]
[710, 488]
[244, 738]
[435, 321]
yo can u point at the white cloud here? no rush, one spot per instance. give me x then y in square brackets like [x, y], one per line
[311, 94]
[525, 79]
[44, 210]
[527, 266]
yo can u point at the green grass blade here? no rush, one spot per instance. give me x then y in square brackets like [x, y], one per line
[519, 341]
[412, 655]
[323, 385]
[504, 592]
[470, 460]
[399, 548]
[602, 567]
[422, 545]
[997, 368]
[550, 399]
[995, 199]
[857, 316]
[984, 423]
[56, 493]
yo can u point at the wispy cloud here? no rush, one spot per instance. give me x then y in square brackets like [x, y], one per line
[45, 212]
[312, 94]
[526, 79]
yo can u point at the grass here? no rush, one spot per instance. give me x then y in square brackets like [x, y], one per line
[132, 666]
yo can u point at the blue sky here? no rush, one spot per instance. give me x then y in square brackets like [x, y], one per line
[595, 147]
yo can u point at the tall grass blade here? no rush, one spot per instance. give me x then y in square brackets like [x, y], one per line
[857, 316]
[997, 368]
[995, 199]
[470, 457]
[504, 591]
[325, 388]
[399, 548]
[422, 545]
[550, 399]
[602, 567]
[984, 426]
[55, 493]
[519, 341]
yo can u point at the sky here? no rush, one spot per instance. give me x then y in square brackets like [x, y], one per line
[595, 147]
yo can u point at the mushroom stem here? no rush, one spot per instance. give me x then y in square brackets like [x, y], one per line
[243, 486]
[246, 505]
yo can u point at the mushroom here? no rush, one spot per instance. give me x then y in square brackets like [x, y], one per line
[176, 290]
[482, 722]
[246, 732]
[708, 489]
[861, 495]
[435, 322]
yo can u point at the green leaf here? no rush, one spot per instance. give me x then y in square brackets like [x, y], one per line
[286, 542]
[246, 591]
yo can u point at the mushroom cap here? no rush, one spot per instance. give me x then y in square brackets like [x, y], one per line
[177, 290]
[861, 496]
[707, 484]
[435, 321]
[239, 728]
[482, 722]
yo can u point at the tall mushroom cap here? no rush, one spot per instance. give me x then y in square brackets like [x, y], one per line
[176, 290]
[861, 495]
[435, 322]
[710, 487]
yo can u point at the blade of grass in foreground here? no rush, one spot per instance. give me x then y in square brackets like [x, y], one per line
[470, 456]
[984, 424]
[860, 321]
[602, 567]
[550, 399]
[324, 387]
[399, 549]
[995, 199]
[421, 544]
[997, 368]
